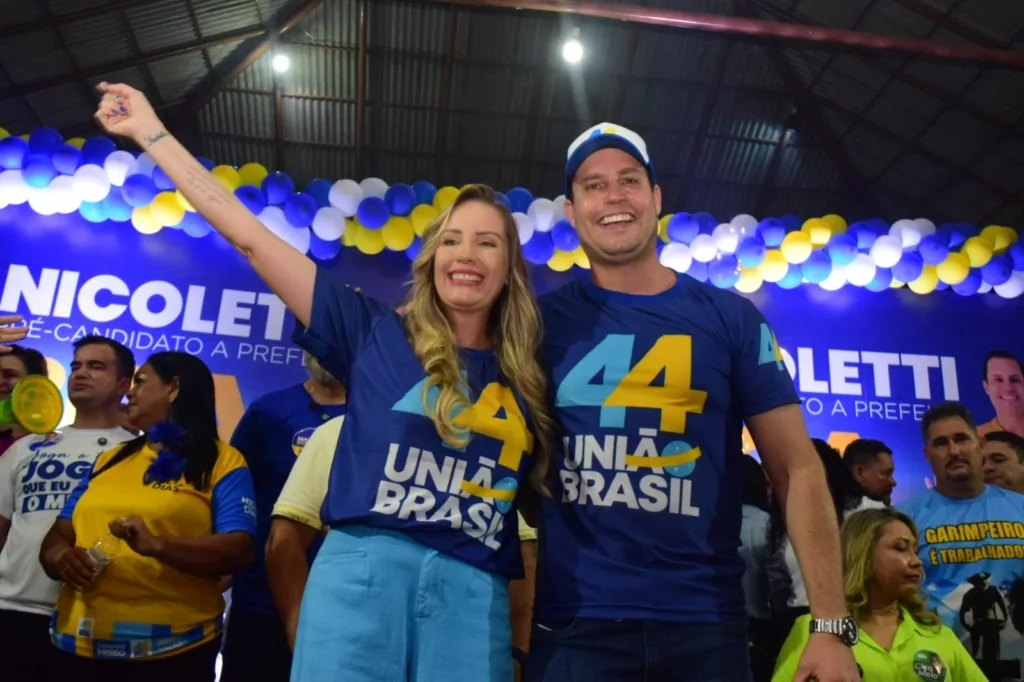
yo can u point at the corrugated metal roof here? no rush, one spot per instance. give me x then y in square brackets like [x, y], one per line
[735, 162]
[890, 18]
[333, 24]
[160, 24]
[750, 67]
[838, 14]
[720, 199]
[751, 115]
[329, 72]
[903, 110]
[1000, 92]
[34, 56]
[61, 106]
[20, 12]
[516, 39]
[998, 20]
[494, 90]
[222, 16]
[869, 151]
[402, 130]
[16, 116]
[308, 161]
[315, 121]
[175, 76]
[242, 114]
[956, 136]
[1002, 169]
[807, 167]
[97, 40]
[405, 80]
[420, 28]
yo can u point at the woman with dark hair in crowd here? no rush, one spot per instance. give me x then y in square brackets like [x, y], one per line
[16, 362]
[788, 595]
[757, 509]
[142, 541]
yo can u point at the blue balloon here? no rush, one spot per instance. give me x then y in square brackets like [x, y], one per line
[44, 140]
[909, 267]
[320, 190]
[794, 278]
[373, 213]
[539, 249]
[424, 193]
[771, 231]
[252, 198]
[941, 286]
[864, 234]
[750, 252]
[878, 225]
[93, 212]
[414, 249]
[706, 221]
[321, 249]
[67, 159]
[277, 187]
[961, 232]
[881, 281]
[138, 190]
[206, 163]
[520, 199]
[37, 170]
[661, 247]
[842, 249]
[724, 272]
[971, 284]
[115, 207]
[161, 180]
[698, 270]
[682, 228]
[564, 236]
[299, 209]
[998, 270]
[934, 248]
[1016, 252]
[502, 199]
[817, 267]
[13, 151]
[97, 149]
[195, 225]
[791, 222]
[401, 199]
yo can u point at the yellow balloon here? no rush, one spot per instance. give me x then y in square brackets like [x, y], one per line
[818, 230]
[183, 202]
[978, 251]
[166, 210]
[996, 234]
[421, 218]
[228, 177]
[1010, 234]
[143, 221]
[252, 174]
[774, 266]
[76, 142]
[581, 259]
[663, 228]
[895, 284]
[352, 227]
[370, 242]
[562, 261]
[954, 269]
[3, 133]
[926, 283]
[796, 247]
[750, 280]
[397, 233]
[835, 223]
[24, 136]
[444, 197]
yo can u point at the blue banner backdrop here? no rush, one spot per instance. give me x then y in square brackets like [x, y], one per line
[865, 363]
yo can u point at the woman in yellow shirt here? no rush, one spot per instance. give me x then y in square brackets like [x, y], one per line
[900, 640]
[181, 503]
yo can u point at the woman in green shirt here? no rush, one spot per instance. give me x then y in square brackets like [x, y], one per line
[900, 640]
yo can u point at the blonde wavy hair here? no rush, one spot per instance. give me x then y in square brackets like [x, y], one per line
[516, 334]
[861, 534]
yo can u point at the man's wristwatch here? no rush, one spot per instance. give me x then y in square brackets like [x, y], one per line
[844, 628]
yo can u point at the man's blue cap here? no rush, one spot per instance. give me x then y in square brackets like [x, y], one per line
[605, 136]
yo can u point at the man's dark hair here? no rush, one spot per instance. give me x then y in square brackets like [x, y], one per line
[1002, 355]
[1015, 442]
[946, 411]
[123, 355]
[864, 451]
[34, 361]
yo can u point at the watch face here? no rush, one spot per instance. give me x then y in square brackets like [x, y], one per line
[851, 632]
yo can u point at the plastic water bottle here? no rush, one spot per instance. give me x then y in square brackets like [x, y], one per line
[104, 550]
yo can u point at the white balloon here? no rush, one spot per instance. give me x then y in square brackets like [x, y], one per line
[297, 237]
[62, 192]
[374, 187]
[525, 225]
[907, 232]
[145, 164]
[41, 202]
[676, 256]
[329, 223]
[985, 287]
[886, 251]
[13, 189]
[861, 271]
[542, 212]
[1013, 287]
[925, 226]
[91, 183]
[703, 248]
[744, 222]
[345, 196]
[726, 237]
[836, 279]
[273, 218]
[119, 165]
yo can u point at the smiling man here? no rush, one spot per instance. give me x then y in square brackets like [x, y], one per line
[1004, 384]
[653, 375]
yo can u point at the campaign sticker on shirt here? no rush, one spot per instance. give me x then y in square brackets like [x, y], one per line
[300, 438]
[929, 666]
[85, 627]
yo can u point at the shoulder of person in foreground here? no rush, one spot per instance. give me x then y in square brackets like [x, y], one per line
[307, 484]
[789, 658]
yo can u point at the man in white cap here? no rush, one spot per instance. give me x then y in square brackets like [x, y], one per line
[654, 375]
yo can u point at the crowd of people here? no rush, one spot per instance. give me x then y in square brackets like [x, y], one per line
[434, 437]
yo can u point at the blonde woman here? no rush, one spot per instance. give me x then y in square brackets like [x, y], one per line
[446, 402]
[900, 640]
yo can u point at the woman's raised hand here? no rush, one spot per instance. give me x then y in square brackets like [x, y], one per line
[125, 111]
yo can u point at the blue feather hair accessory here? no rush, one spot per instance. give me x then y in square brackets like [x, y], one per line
[168, 465]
